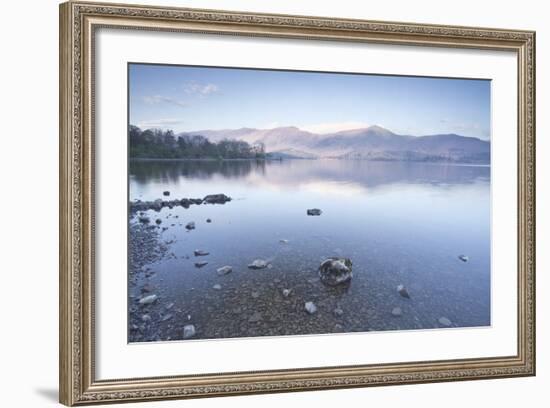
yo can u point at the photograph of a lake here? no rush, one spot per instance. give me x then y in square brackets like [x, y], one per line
[400, 223]
[265, 202]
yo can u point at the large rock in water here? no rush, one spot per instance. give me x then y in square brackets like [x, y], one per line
[334, 271]
[216, 199]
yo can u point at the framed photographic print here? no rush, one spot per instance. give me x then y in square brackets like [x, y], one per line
[261, 203]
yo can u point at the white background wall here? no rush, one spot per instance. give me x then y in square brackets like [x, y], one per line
[29, 190]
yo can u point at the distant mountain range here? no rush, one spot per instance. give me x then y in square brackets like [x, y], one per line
[373, 143]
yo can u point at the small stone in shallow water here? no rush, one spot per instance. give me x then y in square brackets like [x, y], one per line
[166, 193]
[158, 221]
[403, 291]
[255, 295]
[189, 331]
[396, 312]
[283, 241]
[166, 317]
[224, 270]
[444, 322]
[144, 219]
[146, 318]
[310, 307]
[314, 211]
[463, 258]
[200, 252]
[169, 306]
[200, 264]
[256, 317]
[208, 220]
[258, 264]
[216, 199]
[147, 300]
[217, 286]
[147, 288]
[190, 226]
[338, 312]
[286, 292]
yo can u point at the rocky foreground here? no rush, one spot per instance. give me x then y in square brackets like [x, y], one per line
[241, 299]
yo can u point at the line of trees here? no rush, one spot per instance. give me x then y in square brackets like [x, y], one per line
[164, 144]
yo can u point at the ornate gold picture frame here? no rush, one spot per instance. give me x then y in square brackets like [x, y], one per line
[78, 24]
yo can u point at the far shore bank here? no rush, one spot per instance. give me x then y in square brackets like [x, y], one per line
[211, 159]
[267, 159]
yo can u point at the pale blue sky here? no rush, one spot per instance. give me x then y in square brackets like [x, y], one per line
[196, 98]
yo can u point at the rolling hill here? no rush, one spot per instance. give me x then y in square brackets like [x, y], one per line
[371, 143]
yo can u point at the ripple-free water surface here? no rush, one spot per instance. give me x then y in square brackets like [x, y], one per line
[399, 223]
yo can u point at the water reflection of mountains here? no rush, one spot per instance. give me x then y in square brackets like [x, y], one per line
[295, 172]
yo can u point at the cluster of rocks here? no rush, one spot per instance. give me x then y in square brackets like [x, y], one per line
[159, 203]
[397, 312]
[148, 300]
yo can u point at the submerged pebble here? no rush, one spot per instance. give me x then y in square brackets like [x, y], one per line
[144, 219]
[258, 264]
[189, 331]
[224, 270]
[166, 317]
[147, 300]
[444, 322]
[256, 317]
[403, 291]
[396, 312]
[310, 307]
[200, 264]
[338, 312]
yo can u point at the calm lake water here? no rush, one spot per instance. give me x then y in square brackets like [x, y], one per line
[399, 223]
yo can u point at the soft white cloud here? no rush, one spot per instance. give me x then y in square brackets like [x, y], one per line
[159, 123]
[196, 88]
[156, 99]
[333, 127]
